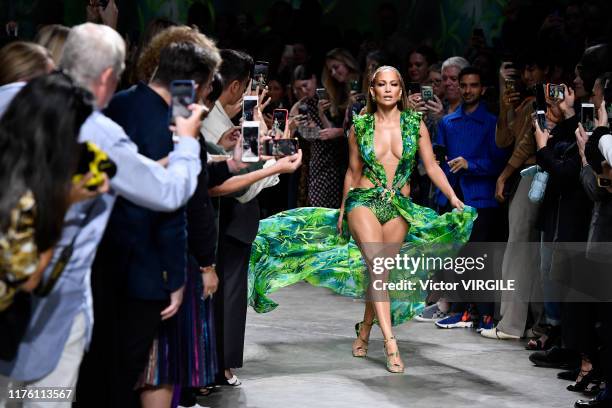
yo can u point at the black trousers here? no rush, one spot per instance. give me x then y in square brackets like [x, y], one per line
[231, 301]
[118, 354]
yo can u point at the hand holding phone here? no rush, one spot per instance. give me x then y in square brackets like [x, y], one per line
[260, 75]
[182, 95]
[587, 117]
[250, 141]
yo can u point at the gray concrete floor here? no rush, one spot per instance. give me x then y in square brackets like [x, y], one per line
[300, 356]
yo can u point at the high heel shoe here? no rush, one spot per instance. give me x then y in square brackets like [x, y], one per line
[361, 351]
[394, 368]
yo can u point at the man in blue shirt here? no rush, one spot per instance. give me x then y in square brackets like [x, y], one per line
[474, 164]
[60, 326]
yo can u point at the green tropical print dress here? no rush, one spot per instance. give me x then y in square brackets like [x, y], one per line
[303, 244]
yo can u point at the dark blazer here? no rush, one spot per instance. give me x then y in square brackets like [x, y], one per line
[600, 233]
[201, 226]
[149, 247]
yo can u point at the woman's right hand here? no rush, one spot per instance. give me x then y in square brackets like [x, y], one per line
[323, 106]
[79, 191]
[455, 202]
[339, 224]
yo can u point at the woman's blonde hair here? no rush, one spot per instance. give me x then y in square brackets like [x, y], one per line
[149, 59]
[402, 104]
[338, 92]
[53, 37]
[22, 61]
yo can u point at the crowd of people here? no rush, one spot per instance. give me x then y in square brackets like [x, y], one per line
[152, 238]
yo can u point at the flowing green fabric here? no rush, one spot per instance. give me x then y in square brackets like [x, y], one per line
[303, 244]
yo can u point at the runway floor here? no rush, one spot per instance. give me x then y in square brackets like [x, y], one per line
[300, 356]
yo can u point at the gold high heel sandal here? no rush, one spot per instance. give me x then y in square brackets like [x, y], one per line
[394, 368]
[361, 351]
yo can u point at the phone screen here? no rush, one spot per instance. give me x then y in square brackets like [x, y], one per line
[279, 121]
[250, 142]
[248, 107]
[587, 117]
[182, 95]
[281, 147]
[260, 75]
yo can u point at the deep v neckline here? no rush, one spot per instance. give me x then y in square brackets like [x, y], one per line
[382, 168]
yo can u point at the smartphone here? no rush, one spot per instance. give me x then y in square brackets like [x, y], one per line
[413, 87]
[182, 94]
[555, 92]
[587, 117]
[540, 97]
[260, 75]
[250, 141]
[603, 182]
[440, 152]
[427, 93]
[281, 147]
[322, 94]
[279, 121]
[355, 86]
[539, 115]
[510, 85]
[249, 103]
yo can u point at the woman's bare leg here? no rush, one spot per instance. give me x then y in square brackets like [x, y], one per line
[365, 229]
[394, 233]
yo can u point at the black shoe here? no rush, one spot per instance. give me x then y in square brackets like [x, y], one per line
[593, 403]
[585, 377]
[556, 357]
[570, 375]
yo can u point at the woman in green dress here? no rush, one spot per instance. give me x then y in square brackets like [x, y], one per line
[311, 243]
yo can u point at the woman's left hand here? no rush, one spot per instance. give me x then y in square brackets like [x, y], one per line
[331, 133]
[602, 115]
[457, 203]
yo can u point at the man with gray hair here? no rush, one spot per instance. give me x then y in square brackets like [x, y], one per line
[450, 80]
[61, 323]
